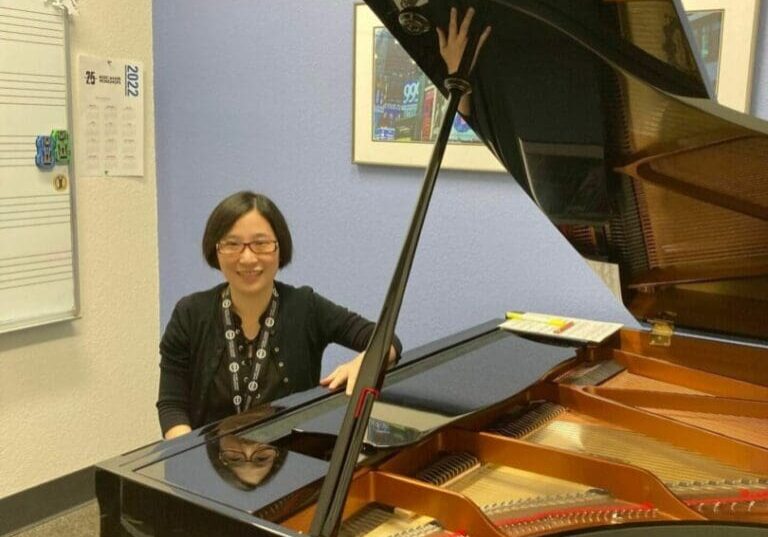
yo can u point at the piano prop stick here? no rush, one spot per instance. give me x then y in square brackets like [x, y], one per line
[330, 504]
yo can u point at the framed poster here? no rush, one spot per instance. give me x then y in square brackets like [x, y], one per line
[397, 109]
[724, 33]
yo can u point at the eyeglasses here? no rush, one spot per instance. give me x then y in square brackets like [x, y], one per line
[232, 247]
[235, 457]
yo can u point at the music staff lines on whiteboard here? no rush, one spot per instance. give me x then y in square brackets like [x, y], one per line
[7, 206]
[32, 198]
[22, 211]
[35, 225]
[38, 90]
[6, 202]
[16, 150]
[30, 27]
[10, 213]
[36, 259]
[20, 24]
[42, 205]
[20, 13]
[56, 209]
[23, 271]
[42, 271]
[62, 278]
[59, 218]
[24, 218]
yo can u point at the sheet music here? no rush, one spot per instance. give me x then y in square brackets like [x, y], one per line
[36, 224]
[570, 328]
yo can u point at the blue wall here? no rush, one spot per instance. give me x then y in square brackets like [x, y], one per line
[261, 99]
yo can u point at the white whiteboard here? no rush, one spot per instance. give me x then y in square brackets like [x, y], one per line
[38, 262]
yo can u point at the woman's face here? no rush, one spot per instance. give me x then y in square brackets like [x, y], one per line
[248, 460]
[249, 273]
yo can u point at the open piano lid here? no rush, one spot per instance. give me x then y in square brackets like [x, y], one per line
[600, 112]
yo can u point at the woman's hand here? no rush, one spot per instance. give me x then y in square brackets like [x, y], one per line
[177, 430]
[454, 41]
[347, 372]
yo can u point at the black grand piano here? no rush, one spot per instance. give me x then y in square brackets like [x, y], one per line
[598, 108]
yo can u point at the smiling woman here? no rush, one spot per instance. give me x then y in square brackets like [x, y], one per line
[251, 339]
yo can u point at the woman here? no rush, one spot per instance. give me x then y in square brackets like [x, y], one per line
[251, 339]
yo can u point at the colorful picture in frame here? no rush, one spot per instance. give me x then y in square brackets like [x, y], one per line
[398, 111]
[707, 27]
[406, 105]
[724, 33]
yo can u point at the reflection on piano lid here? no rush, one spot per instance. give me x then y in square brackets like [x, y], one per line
[487, 434]
[602, 116]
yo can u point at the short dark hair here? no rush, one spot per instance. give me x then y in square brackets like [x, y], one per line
[229, 211]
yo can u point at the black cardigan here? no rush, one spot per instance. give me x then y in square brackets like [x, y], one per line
[192, 347]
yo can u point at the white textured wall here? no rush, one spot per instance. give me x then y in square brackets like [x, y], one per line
[75, 393]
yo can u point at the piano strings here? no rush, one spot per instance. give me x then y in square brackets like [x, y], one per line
[751, 429]
[745, 428]
[518, 502]
[633, 381]
[713, 488]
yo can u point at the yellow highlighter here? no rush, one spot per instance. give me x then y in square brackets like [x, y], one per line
[561, 324]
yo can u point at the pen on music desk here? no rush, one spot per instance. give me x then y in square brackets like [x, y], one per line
[561, 324]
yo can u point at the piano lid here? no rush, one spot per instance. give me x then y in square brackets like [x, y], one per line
[600, 112]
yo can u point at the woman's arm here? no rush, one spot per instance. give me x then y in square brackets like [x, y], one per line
[347, 372]
[174, 389]
[337, 324]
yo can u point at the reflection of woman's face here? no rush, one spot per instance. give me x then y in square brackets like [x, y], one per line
[250, 461]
